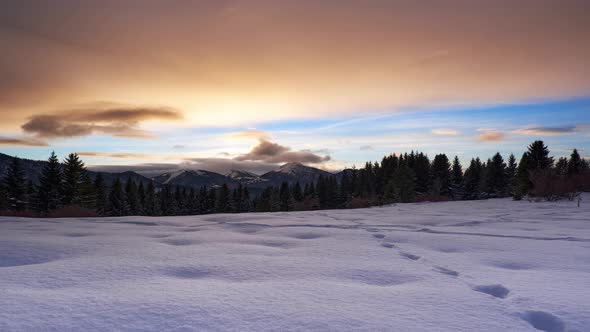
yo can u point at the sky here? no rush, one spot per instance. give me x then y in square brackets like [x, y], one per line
[225, 84]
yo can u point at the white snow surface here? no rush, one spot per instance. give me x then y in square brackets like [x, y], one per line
[495, 265]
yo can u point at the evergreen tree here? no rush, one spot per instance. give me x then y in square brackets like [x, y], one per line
[285, 197]
[511, 174]
[141, 196]
[87, 193]
[405, 184]
[32, 198]
[523, 182]
[15, 186]
[117, 201]
[297, 192]
[73, 175]
[538, 157]
[421, 167]
[457, 190]
[441, 175]
[223, 200]
[561, 166]
[575, 164]
[496, 176]
[132, 198]
[472, 179]
[102, 201]
[50, 180]
[151, 205]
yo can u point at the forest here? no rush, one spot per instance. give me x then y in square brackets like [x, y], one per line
[65, 189]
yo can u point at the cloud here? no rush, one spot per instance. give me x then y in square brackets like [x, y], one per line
[366, 148]
[122, 155]
[251, 134]
[546, 131]
[26, 141]
[270, 152]
[443, 131]
[491, 136]
[119, 121]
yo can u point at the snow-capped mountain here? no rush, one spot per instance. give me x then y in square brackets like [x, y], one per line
[245, 178]
[294, 172]
[194, 178]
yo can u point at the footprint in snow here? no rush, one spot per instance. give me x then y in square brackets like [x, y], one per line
[446, 271]
[543, 321]
[498, 291]
[410, 256]
[379, 236]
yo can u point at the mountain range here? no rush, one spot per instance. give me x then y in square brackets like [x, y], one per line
[290, 172]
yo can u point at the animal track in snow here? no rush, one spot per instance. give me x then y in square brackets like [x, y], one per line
[493, 290]
[409, 256]
[543, 321]
[446, 271]
[379, 235]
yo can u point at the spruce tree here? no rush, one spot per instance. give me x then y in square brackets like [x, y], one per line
[285, 197]
[472, 179]
[575, 164]
[561, 167]
[50, 180]
[297, 192]
[457, 191]
[496, 176]
[405, 184]
[15, 186]
[102, 199]
[141, 197]
[223, 199]
[117, 202]
[132, 197]
[538, 157]
[511, 174]
[73, 177]
[441, 175]
[523, 182]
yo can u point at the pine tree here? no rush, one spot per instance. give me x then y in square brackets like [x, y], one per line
[151, 206]
[102, 201]
[223, 199]
[15, 186]
[405, 184]
[511, 174]
[441, 175]
[117, 201]
[561, 167]
[496, 176]
[50, 180]
[538, 157]
[285, 197]
[523, 182]
[132, 197]
[141, 197]
[575, 164]
[297, 192]
[472, 179]
[73, 177]
[457, 190]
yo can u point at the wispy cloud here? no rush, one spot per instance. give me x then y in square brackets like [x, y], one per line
[443, 131]
[24, 141]
[546, 131]
[491, 136]
[122, 155]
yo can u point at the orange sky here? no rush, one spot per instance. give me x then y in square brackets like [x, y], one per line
[251, 61]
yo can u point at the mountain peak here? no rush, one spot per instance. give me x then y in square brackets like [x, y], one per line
[291, 167]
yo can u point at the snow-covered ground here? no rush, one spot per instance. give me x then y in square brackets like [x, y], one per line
[495, 265]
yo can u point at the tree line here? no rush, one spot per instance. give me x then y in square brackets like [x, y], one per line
[406, 177]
